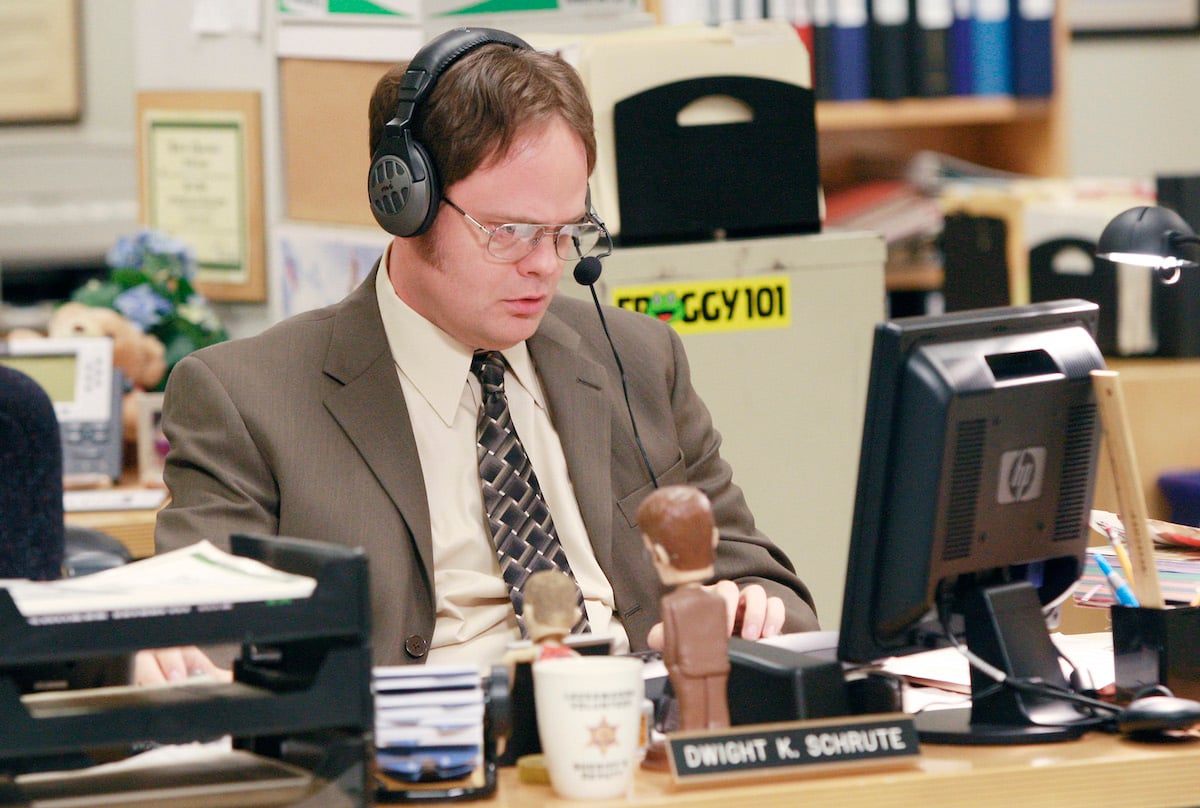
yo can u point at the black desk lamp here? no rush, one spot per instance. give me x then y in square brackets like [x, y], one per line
[1149, 236]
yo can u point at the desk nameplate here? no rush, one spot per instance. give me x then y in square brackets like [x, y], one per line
[871, 741]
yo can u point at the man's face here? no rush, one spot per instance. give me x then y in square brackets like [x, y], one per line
[452, 281]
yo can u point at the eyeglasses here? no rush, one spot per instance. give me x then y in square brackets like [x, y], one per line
[514, 241]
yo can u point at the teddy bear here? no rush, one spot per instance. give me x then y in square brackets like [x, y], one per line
[140, 356]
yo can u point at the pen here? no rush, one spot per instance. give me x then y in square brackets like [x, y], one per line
[1121, 589]
[1117, 540]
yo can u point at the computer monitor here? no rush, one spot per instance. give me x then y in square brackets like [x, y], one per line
[975, 481]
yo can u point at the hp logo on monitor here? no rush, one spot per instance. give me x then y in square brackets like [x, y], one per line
[1021, 475]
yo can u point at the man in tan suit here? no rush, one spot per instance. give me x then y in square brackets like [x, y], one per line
[354, 424]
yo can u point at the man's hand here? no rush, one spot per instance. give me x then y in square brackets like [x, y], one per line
[175, 665]
[750, 613]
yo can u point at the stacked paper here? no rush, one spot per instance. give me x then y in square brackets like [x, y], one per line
[1176, 557]
[198, 576]
[428, 721]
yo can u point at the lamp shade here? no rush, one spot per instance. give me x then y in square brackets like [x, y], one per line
[1147, 235]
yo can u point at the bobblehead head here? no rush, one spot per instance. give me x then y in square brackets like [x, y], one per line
[551, 609]
[678, 529]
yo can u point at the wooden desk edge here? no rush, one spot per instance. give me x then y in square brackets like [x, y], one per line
[133, 528]
[1098, 769]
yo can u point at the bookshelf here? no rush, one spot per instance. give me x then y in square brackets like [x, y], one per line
[861, 140]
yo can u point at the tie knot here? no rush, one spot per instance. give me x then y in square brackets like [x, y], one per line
[489, 367]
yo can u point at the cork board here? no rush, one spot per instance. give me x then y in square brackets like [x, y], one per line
[326, 152]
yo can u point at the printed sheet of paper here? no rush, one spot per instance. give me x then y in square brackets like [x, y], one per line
[196, 576]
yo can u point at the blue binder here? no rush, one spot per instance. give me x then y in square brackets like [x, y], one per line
[851, 51]
[1033, 47]
[991, 39]
[960, 54]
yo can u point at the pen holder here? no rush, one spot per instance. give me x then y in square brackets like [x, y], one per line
[1156, 647]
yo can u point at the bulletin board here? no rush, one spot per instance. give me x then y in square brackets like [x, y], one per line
[326, 145]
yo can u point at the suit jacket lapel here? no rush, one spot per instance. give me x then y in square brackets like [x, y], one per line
[370, 407]
[574, 386]
[371, 397]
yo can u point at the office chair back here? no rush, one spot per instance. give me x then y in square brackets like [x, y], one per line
[31, 503]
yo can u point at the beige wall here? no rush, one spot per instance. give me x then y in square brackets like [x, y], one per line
[1132, 107]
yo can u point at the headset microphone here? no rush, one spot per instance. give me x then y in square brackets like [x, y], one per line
[587, 271]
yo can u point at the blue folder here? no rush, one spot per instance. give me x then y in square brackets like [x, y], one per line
[961, 55]
[1033, 47]
[851, 51]
[991, 33]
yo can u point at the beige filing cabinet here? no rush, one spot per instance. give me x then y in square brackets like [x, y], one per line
[788, 401]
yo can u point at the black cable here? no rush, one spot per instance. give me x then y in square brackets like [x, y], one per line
[624, 386]
[1033, 687]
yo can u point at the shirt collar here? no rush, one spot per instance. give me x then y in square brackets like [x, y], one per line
[433, 361]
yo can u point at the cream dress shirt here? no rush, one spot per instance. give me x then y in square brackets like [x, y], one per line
[475, 620]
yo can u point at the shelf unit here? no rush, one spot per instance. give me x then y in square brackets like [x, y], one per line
[861, 140]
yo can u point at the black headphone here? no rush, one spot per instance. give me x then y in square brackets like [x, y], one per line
[402, 183]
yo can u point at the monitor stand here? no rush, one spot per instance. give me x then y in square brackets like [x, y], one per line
[1005, 627]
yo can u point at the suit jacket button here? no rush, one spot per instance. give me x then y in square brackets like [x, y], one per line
[416, 645]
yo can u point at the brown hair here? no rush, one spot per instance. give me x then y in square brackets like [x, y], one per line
[553, 596]
[679, 519]
[482, 103]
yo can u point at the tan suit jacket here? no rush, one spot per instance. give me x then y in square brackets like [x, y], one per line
[302, 431]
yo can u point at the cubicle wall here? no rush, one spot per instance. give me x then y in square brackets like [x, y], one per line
[785, 378]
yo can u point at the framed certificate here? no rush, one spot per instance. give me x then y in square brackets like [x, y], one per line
[39, 61]
[200, 181]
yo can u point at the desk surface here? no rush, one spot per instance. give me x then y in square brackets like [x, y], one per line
[1097, 770]
[133, 528]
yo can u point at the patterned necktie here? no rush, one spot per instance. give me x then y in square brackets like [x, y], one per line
[522, 529]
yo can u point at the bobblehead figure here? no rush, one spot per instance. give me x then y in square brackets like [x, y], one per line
[551, 610]
[677, 526]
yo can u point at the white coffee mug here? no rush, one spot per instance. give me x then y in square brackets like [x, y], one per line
[589, 713]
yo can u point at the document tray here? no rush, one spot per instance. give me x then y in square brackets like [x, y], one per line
[303, 680]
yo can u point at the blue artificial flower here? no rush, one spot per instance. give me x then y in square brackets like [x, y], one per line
[127, 252]
[151, 285]
[142, 306]
[172, 252]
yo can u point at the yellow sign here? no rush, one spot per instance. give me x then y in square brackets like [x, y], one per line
[700, 307]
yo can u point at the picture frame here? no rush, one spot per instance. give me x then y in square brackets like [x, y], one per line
[200, 181]
[1133, 17]
[151, 442]
[40, 62]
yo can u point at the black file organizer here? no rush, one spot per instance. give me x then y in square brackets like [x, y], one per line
[301, 691]
[975, 260]
[1099, 286]
[740, 179]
